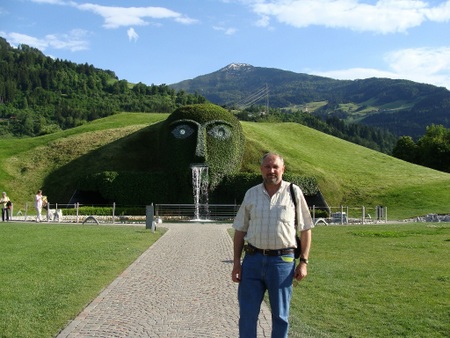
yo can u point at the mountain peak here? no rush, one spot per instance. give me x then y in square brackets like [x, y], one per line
[236, 66]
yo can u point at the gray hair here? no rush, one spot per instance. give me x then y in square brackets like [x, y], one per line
[272, 154]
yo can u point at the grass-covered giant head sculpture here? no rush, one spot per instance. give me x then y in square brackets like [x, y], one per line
[203, 134]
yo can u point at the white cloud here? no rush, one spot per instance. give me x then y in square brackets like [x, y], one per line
[431, 65]
[74, 41]
[423, 65]
[115, 17]
[16, 39]
[132, 35]
[439, 13]
[384, 16]
[227, 31]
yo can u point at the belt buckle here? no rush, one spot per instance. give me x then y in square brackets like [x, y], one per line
[266, 252]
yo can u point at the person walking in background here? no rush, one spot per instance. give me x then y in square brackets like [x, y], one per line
[5, 206]
[38, 201]
[266, 221]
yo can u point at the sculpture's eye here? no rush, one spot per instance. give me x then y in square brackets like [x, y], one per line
[220, 132]
[182, 131]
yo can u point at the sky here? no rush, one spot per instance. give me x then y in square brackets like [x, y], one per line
[168, 41]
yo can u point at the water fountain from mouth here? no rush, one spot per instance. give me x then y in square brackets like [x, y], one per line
[200, 185]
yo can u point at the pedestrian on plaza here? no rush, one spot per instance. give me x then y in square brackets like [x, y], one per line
[5, 202]
[265, 229]
[38, 202]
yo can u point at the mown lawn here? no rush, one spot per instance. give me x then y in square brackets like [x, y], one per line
[49, 273]
[386, 280]
[376, 281]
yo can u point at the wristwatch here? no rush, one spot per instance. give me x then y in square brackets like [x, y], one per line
[304, 260]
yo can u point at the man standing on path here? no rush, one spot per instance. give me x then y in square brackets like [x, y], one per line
[266, 221]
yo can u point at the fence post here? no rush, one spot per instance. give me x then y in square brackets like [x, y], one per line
[149, 221]
[363, 214]
[77, 205]
[56, 213]
[314, 214]
[114, 212]
[380, 213]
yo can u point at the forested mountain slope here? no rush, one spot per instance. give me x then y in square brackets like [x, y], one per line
[40, 95]
[403, 107]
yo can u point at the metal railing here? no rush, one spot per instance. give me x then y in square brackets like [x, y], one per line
[74, 213]
[216, 212]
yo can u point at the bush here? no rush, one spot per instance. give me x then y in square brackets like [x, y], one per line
[233, 187]
[106, 211]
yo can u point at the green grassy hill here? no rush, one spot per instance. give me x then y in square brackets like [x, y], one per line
[348, 174]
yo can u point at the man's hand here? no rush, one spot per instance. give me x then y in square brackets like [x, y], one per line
[301, 271]
[236, 273]
[238, 246]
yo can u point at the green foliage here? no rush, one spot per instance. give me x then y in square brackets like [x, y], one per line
[406, 149]
[40, 95]
[233, 187]
[308, 185]
[106, 211]
[432, 150]
[129, 188]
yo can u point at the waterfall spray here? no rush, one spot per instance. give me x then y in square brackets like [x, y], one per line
[200, 183]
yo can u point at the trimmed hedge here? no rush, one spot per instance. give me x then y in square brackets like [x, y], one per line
[233, 188]
[134, 188]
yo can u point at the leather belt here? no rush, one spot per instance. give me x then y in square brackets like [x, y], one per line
[268, 252]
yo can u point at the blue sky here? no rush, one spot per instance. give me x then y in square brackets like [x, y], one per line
[167, 41]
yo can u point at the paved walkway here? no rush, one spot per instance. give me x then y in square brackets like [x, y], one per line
[180, 287]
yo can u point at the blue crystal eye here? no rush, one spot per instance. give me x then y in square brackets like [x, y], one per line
[220, 132]
[182, 131]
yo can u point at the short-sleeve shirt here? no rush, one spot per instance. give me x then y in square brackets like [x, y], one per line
[269, 222]
[4, 201]
[38, 201]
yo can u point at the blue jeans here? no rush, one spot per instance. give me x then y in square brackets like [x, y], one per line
[261, 273]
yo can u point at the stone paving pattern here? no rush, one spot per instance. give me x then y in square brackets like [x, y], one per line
[180, 287]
